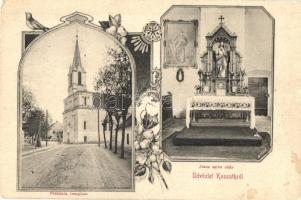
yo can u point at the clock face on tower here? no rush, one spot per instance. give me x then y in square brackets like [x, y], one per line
[96, 101]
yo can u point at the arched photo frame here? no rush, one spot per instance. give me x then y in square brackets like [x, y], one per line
[85, 22]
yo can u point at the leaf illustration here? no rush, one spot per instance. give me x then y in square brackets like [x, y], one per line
[140, 170]
[151, 177]
[104, 24]
[149, 121]
[167, 166]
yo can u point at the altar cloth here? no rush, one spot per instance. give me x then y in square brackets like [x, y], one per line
[231, 103]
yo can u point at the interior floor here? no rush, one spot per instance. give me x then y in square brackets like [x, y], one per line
[219, 152]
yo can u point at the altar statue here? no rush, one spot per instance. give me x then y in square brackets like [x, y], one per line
[221, 60]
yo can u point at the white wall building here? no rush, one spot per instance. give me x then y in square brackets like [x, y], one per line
[80, 119]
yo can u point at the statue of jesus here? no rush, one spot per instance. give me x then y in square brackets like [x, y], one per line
[221, 60]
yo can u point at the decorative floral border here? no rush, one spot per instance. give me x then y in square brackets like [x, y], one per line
[150, 159]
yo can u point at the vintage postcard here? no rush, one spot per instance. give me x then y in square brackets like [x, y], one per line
[150, 99]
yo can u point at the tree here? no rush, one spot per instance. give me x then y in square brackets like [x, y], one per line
[114, 81]
[35, 122]
[33, 117]
[117, 116]
[28, 101]
[28, 108]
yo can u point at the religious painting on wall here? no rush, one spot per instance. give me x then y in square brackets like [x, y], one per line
[180, 41]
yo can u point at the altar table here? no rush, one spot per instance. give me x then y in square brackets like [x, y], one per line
[231, 103]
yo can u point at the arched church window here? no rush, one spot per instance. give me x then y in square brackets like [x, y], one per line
[79, 78]
[85, 101]
[85, 125]
[70, 79]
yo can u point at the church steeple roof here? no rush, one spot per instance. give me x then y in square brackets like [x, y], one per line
[76, 63]
[77, 74]
[76, 58]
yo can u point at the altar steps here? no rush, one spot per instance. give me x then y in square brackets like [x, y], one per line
[217, 136]
[220, 123]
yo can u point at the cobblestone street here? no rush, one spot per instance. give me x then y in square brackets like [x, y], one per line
[76, 166]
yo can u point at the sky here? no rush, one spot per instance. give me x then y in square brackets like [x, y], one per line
[46, 65]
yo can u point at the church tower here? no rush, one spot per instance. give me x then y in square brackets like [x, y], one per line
[80, 118]
[77, 74]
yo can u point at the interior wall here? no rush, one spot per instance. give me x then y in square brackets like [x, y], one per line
[208, 20]
[258, 40]
[180, 90]
[258, 57]
[254, 42]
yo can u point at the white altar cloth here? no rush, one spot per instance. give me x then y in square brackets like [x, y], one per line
[235, 103]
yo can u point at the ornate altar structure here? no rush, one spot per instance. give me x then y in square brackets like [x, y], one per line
[221, 98]
[222, 72]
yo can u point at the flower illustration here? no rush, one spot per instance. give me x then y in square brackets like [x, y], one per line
[150, 158]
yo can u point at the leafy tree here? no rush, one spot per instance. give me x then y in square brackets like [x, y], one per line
[33, 117]
[35, 125]
[114, 81]
[28, 102]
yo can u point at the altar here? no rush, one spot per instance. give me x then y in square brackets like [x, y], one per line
[221, 97]
[245, 104]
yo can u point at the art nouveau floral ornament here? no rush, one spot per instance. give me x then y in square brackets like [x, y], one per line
[150, 160]
[113, 27]
[151, 33]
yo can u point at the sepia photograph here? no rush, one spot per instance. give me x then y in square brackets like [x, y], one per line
[150, 99]
[222, 108]
[75, 102]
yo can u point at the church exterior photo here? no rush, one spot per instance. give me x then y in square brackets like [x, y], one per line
[75, 123]
[79, 116]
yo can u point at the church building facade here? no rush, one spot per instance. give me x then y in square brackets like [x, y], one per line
[80, 118]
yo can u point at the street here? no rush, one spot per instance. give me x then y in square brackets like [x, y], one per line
[81, 166]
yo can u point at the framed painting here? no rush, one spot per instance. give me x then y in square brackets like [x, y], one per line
[180, 42]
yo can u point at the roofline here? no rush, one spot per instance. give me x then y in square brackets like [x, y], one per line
[79, 91]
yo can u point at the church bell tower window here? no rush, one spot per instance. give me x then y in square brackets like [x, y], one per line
[79, 78]
[85, 125]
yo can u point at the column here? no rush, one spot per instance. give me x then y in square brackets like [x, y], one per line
[208, 69]
[188, 113]
[252, 113]
[210, 58]
[233, 59]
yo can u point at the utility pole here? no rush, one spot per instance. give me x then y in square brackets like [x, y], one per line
[46, 127]
[104, 124]
[97, 105]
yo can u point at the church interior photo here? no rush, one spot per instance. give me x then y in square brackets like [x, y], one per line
[217, 83]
